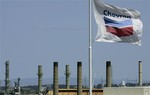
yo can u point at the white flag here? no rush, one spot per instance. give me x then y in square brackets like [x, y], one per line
[117, 24]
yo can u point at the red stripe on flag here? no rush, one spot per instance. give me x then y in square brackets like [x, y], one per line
[120, 32]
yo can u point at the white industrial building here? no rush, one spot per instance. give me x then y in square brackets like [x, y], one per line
[126, 91]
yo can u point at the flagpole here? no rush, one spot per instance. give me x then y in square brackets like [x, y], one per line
[90, 50]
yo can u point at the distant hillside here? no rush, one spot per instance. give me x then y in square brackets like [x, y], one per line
[46, 81]
[34, 81]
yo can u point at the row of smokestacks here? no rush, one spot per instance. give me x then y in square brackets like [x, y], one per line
[55, 78]
[7, 81]
[67, 73]
[79, 76]
[109, 74]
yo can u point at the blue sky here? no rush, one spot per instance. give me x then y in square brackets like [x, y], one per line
[39, 32]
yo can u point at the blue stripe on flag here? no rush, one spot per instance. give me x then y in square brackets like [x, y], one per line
[119, 24]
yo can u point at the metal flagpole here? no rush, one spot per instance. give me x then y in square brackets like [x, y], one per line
[90, 50]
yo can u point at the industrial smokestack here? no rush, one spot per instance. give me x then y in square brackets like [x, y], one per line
[18, 86]
[40, 79]
[18, 82]
[108, 74]
[55, 78]
[67, 73]
[7, 81]
[79, 78]
[140, 73]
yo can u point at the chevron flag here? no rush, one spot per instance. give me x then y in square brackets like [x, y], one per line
[117, 24]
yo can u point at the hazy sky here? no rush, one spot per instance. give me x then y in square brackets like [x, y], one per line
[39, 32]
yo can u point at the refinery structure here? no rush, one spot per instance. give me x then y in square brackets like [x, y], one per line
[106, 89]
